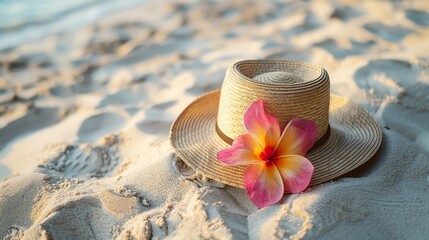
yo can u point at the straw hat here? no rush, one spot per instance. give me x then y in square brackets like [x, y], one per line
[347, 136]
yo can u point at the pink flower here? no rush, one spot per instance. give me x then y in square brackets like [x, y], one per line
[277, 162]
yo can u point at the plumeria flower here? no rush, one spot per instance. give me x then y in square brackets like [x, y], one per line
[277, 162]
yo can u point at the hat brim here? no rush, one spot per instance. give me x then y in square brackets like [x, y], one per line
[354, 138]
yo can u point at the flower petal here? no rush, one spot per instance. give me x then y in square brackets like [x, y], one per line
[263, 183]
[297, 138]
[244, 150]
[263, 127]
[296, 172]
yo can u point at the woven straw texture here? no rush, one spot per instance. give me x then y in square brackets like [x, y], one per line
[354, 136]
[289, 89]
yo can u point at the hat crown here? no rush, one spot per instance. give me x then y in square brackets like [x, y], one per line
[289, 89]
[278, 78]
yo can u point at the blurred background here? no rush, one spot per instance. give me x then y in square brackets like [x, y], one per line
[28, 20]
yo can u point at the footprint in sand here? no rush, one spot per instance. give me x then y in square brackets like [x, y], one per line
[401, 80]
[155, 127]
[33, 120]
[164, 105]
[392, 34]
[130, 96]
[99, 125]
[156, 121]
[37, 59]
[339, 52]
[418, 17]
[387, 77]
[85, 160]
[61, 91]
[346, 13]
[311, 22]
[20, 63]
[105, 43]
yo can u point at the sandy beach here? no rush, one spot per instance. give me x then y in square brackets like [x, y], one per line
[86, 110]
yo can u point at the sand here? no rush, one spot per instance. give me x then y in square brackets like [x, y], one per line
[85, 116]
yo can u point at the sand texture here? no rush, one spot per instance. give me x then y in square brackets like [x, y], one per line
[85, 115]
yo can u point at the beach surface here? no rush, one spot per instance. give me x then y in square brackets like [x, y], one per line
[86, 108]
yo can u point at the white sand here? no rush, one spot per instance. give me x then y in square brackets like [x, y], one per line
[85, 115]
